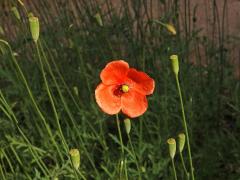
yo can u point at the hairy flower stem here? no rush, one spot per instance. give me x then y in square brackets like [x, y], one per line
[184, 166]
[135, 157]
[51, 100]
[174, 169]
[185, 128]
[122, 150]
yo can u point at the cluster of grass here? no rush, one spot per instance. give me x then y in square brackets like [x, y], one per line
[48, 107]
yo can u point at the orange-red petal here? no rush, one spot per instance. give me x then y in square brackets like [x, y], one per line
[107, 101]
[115, 72]
[143, 83]
[134, 104]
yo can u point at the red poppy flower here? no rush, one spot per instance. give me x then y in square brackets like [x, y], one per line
[123, 89]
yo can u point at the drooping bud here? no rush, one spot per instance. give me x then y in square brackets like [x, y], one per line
[127, 124]
[15, 12]
[34, 28]
[98, 19]
[181, 141]
[172, 147]
[75, 158]
[171, 29]
[175, 64]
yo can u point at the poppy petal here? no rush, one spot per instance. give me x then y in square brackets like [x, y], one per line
[107, 100]
[115, 72]
[144, 84]
[134, 104]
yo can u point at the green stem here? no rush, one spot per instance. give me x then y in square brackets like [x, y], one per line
[122, 149]
[32, 98]
[185, 127]
[81, 175]
[2, 173]
[184, 166]
[9, 113]
[66, 107]
[174, 169]
[135, 157]
[51, 100]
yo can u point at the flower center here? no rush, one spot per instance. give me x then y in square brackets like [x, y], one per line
[125, 88]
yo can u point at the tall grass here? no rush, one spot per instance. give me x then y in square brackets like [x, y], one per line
[47, 92]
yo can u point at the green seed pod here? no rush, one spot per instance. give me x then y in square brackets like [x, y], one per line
[98, 19]
[175, 65]
[172, 147]
[34, 28]
[181, 141]
[127, 123]
[15, 12]
[75, 158]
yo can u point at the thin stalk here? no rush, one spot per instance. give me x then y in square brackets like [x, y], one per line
[51, 100]
[135, 157]
[20, 162]
[8, 160]
[70, 115]
[8, 112]
[2, 173]
[185, 128]
[122, 149]
[33, 99]
[184, 166]
[174, 169]
[80, 173]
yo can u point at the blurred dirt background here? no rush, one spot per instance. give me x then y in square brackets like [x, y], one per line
[216, 19]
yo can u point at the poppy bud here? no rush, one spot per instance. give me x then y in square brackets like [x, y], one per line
[172, 147]
[171, 29]
[181, 141]
[30, 15]
[34, 28]
[75, 90]
[98, 19]
[127, 123]
[15, 12]
[75, 157]
[175, 65]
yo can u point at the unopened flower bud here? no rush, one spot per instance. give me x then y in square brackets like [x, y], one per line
[172, 147]
[181, 141]
[171, 29]
[175, 65]
[127, 124]
[15, 12]
[75, 158]
[75, 90]
[98, 19]
[30, 15]
[34, 28]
